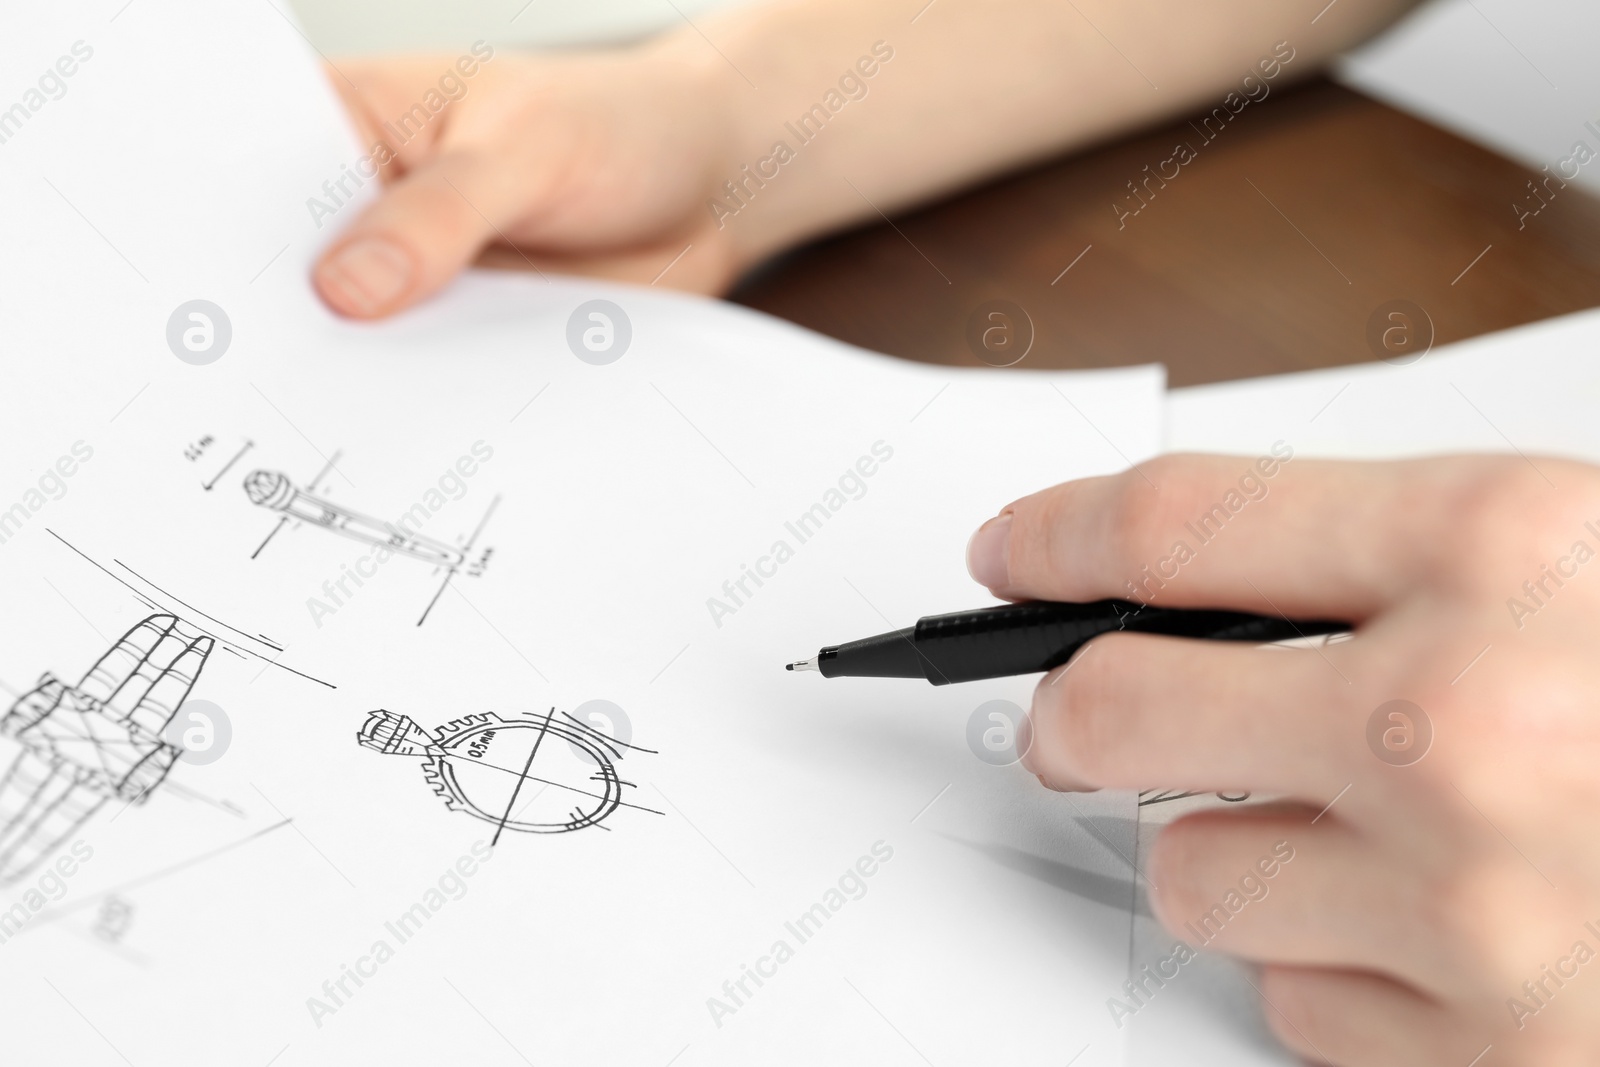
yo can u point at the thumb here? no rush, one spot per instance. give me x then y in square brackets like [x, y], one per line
[426, 227]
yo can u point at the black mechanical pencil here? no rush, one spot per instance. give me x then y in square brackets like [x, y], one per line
[1035, 636]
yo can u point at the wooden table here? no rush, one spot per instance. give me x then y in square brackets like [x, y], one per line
[1280, 246]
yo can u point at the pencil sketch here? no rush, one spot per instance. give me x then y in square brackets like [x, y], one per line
[98, 740]
[274, 490]
[307, 504]
[1164, 796]
[487, 764]
[226, 638]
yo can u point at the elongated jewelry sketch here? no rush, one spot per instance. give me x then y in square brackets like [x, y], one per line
[273, 490]
[313, 502]
[97, 740]
[544, 774]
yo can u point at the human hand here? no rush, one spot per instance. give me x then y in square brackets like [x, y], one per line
[1440, 900]
[595, 164]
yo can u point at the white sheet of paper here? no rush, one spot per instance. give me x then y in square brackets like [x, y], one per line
[1532, 390]
[568, 531]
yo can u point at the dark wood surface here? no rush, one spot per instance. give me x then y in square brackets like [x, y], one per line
[1269, 252]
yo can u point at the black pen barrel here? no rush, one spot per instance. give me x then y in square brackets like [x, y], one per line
[1028, 638]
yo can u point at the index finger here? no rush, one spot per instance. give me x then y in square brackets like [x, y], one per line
[1270, 534]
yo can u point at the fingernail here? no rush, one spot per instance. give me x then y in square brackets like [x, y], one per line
[366, 277]
[988, 553]
[1057, 782]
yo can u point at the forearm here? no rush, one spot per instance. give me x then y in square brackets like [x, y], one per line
[969, 89]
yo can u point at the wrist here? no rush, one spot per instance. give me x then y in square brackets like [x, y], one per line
[720, 104]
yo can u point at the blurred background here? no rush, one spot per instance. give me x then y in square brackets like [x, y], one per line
[1520, 76]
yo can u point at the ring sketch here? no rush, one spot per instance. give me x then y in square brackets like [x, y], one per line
[102, 738]
[539, 775]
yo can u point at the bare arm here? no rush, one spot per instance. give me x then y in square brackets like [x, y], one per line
[976, 87]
